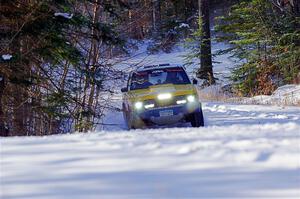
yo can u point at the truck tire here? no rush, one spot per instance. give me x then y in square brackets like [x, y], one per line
[197, 119]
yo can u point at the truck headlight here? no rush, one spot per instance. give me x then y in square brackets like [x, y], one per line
[138, 105]
[181, 102]
[164, 96]
[191, 98]
[148, 106]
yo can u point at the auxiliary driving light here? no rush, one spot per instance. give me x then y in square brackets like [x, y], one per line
[164, 96]
[138, 105]
[191, 98]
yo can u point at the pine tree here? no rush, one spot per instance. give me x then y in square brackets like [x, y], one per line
[49, 70]
[206, 69]
[34, 36]
[199, 44]
[266, 38]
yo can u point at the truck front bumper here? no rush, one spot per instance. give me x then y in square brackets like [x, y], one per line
[165, 115]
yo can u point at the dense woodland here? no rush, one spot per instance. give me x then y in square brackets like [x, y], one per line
[55, 68]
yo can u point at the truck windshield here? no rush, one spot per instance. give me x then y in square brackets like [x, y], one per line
[144, 79]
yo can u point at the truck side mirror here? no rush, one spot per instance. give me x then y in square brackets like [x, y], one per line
[124, 90]
[195, 81]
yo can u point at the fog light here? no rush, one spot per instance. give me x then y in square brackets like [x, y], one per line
[181, 102]
[138, 105]
[191, 98]
[147, 106]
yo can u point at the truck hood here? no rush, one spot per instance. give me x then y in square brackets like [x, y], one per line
[153, 91]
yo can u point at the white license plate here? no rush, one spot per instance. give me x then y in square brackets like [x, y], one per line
[166, 113]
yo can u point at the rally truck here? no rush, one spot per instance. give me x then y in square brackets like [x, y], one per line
[161, 95]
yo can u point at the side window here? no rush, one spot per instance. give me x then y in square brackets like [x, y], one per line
[184, 77]
[179, 77]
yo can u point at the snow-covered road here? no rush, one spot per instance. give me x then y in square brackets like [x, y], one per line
[245, 151]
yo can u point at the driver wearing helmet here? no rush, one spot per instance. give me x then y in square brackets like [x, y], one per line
[141, 82]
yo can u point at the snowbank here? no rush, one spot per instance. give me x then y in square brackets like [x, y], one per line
[285, 95]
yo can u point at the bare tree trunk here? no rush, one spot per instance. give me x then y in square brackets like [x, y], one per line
[18, 111]
[94, 56]
[3, 130]
[296, 7]
[282, 4]
[91, 66]
[156, 15]
[205, 72]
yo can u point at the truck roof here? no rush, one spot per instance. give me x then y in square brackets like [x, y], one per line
[159, 66]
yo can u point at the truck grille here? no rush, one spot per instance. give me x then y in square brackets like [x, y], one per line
[165, 103]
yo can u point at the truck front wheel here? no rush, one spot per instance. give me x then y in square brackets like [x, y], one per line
[197, 119]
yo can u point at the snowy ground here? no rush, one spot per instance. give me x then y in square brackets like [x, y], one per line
[245, 151]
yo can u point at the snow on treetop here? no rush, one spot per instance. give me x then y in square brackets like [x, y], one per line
[184, 25]
[6, 57]
[65, 15]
